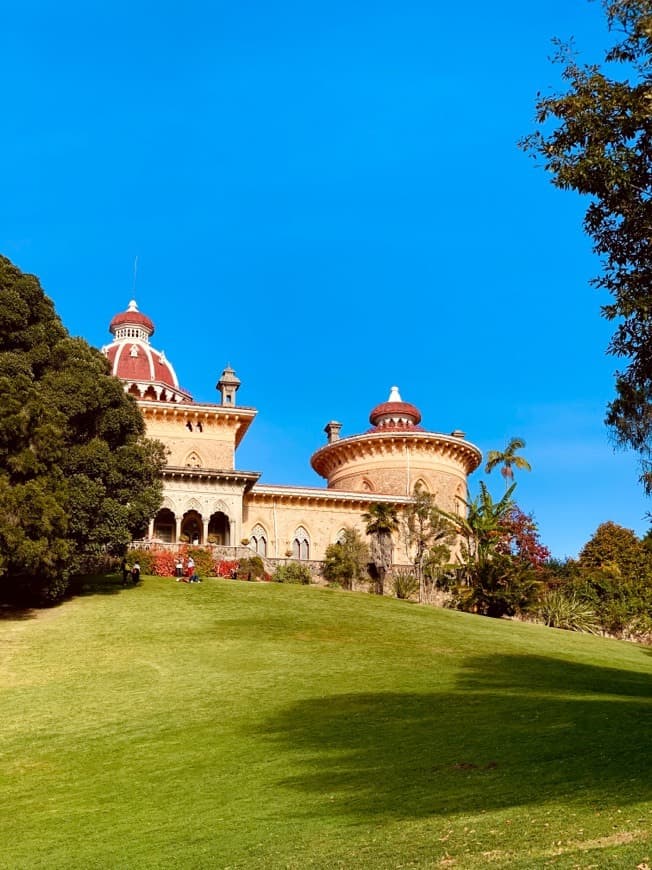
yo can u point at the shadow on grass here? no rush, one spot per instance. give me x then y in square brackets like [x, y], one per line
[16, 613]
[99, 584]
[516, 730]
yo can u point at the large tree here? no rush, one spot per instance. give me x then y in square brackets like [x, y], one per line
[596, 139]
[77, 477]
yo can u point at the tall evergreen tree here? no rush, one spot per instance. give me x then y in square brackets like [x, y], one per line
[77, 477]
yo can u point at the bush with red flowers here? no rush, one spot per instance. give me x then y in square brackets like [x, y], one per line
[225, 567]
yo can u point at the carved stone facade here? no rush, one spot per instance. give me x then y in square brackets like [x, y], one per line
[207, 500]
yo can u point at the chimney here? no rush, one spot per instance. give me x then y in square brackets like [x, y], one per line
[332, 431]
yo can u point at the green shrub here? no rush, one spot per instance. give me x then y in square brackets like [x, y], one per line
[559, 609]
[251, 569]
[145, 558]
[405, 585]
[203, 561]
[500, 587]
[345, 562]
[292, 572]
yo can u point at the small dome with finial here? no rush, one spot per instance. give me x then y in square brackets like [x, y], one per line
[395, 413]
[132, 319]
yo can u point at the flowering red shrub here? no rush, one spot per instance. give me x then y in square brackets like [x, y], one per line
[521, 539]
[225, 567]
[164, 562]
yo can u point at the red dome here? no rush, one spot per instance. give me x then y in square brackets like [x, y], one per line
[139, 362]
[395, 411]
[131, 318]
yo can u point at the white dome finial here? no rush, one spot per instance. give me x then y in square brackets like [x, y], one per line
[132, 306]
[394, 395]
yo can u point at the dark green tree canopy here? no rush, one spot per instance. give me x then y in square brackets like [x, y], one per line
[596, 139]
[77, 477]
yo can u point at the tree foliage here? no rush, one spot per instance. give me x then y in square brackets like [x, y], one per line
[596, 139]
[508, 460]
[346, 561]
[430, 538]
[613, 577]
[521, 539]
[382, 523]
[495, 575]
[77, 477]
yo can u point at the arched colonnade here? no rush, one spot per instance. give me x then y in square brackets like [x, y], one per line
[193, 524]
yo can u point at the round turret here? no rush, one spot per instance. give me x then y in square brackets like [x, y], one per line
[397, 455]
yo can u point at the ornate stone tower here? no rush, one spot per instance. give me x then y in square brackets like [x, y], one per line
[397, 454]
[203, 491]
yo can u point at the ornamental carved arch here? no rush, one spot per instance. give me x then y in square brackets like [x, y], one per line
[193, 504]
[220, 507]
[168, 504]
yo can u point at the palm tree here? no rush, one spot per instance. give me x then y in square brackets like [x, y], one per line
[481, 530]
[382, 522]
[508, 459]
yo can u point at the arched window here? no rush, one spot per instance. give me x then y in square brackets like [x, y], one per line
[164, 526]
[258, 540]
[193, 460]
[219, 528]
[301, 544]
[421, 486]
[192, 528]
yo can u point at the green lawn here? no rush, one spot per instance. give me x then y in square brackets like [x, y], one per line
[257, 725]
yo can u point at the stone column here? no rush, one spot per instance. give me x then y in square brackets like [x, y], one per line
[150, 529]
[205, 535]
[234, 541]
[177, 531]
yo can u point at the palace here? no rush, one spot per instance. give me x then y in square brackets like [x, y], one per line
[208, 500]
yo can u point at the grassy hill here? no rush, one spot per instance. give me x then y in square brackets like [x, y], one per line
[258, 725]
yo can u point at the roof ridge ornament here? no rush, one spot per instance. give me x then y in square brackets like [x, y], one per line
[394, 395]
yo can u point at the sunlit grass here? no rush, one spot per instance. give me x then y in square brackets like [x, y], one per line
[257, 725]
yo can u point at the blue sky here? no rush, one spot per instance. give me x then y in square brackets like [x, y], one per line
[329, 196]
